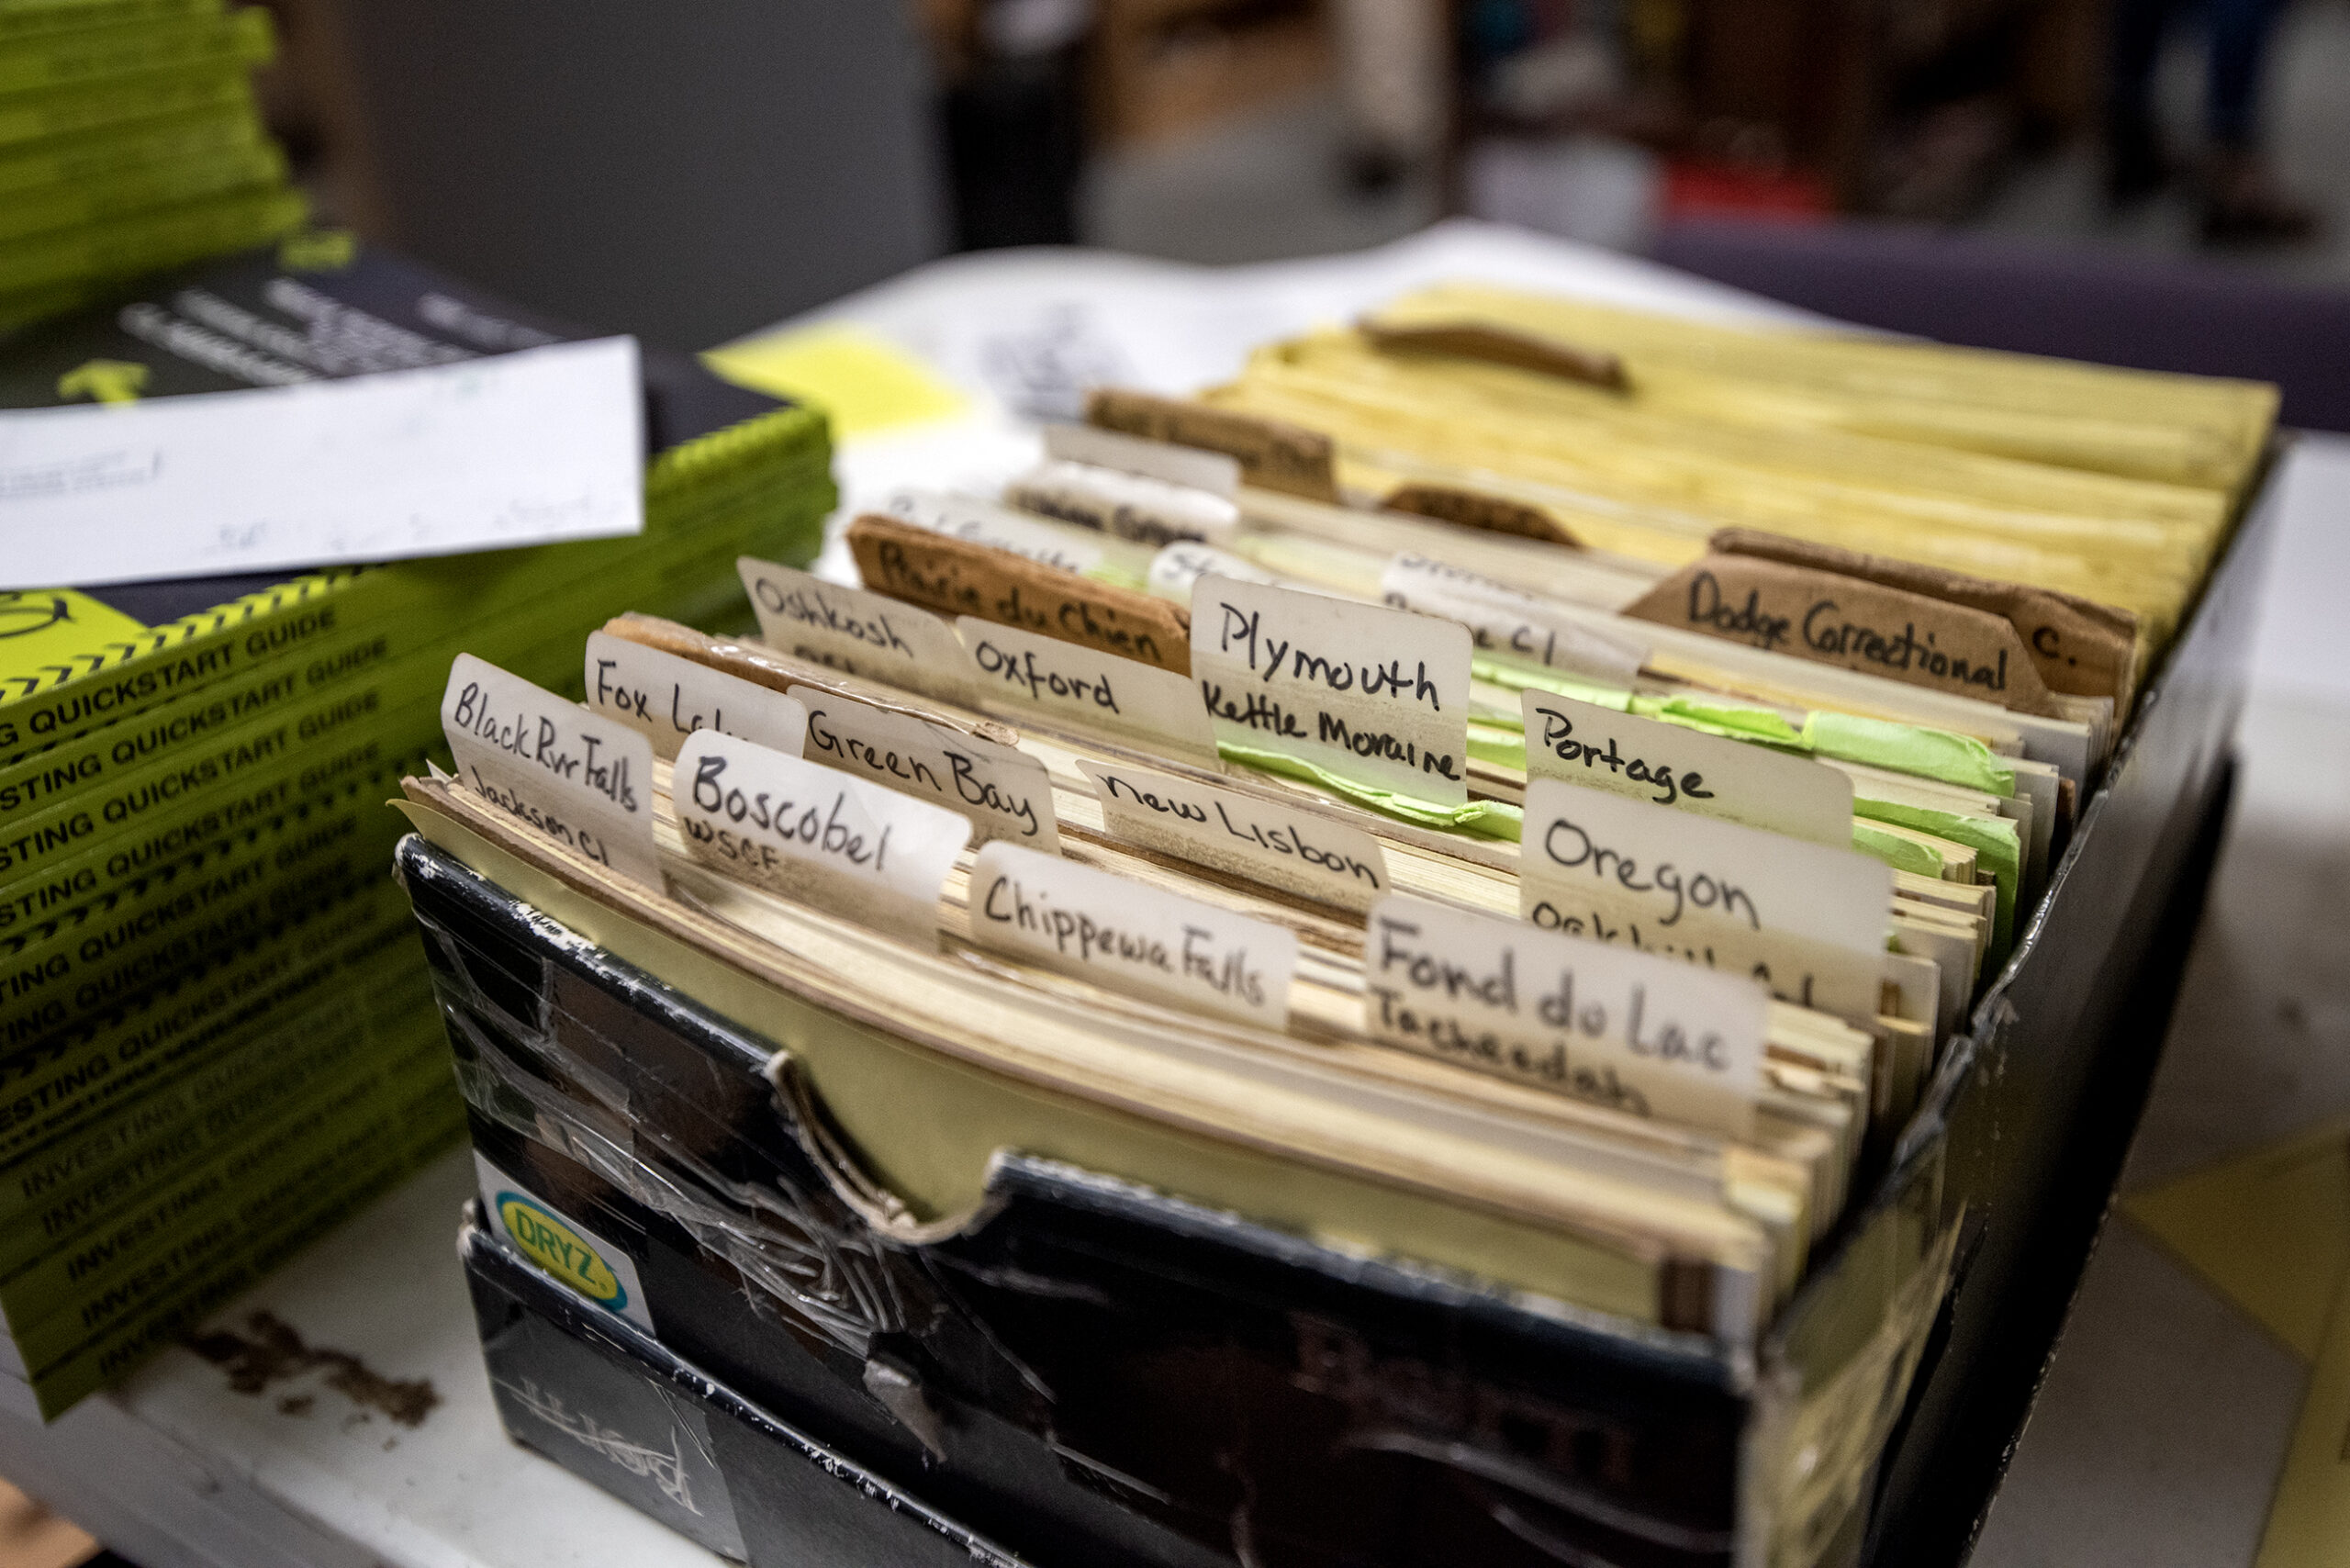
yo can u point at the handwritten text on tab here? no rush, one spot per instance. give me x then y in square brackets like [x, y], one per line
[1263, 841]
[667, 698]
[1003, 792]
[855, 631]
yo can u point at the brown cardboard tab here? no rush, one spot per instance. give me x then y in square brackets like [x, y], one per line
[2080, 647]
[1477, 339]
[1273, 454]
[1475, 509]
[958, 578]
[1853, 623]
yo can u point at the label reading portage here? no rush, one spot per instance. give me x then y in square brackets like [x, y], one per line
[1376, 696]
[1004, 793]
[1647, 1036]
[584, 780]
[1264, 841]
[854, 632]
[667, 698]
[1125, 936]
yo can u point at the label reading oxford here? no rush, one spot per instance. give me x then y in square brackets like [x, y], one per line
[574, 1255]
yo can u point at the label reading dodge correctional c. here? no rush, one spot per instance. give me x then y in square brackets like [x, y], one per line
[854, 632]
[1263, 841]
[669, 698]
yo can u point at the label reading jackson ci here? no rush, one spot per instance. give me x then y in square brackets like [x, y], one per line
[1004, 792]
[854, 632]
[668, 698]
[1263, 841]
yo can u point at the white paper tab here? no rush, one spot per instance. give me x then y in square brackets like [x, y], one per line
[486, 453]
[667, 698]
[816, 834]
[999, 528]
[1510, 624]
[1672, 868]
[584, 780]
[1099, 691]
[1670, 765]
[1003, 792]
[855, 631]
[1643, 1034]
[1190, 466]
[1125, 936]
[1375, 695]
[1261, 841]
[1175, 568]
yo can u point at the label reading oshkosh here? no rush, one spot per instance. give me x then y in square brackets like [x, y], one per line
[1004, 792]
[1097, 690]
[816, 834]
[1263, 841]
[668, 698]
[1636, 1032]
[1670, 765]
[1377, 696]
[565, 1249]
[854, 632]
[1125, 936]
[584, 780]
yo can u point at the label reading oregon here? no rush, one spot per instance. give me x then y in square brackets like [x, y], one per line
[582, 780]
[1003, 792]
[1099, 690]
[1263, 841]
[1626, 1030]
[1374, 695]
[667, 699]
[854, 632]
[1125, 936]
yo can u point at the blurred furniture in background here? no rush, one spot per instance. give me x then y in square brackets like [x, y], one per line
[1164, 67]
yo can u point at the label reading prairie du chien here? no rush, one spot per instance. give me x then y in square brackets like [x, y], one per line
[1643, 1034]
[669, 698]
[584, 780]
[1004, 792]
[1263, 841]
[1098, 689]
[1670, 765]
[1373, 695]
[1125, 936]
[854, 632]
[818, 835]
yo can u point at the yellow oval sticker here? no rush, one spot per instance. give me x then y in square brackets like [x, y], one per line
[560, 1251]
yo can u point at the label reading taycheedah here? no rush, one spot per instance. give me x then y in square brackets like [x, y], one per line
[1004, 793]
[583, 780]
[1125, 936]
[668, 698]
[1098, 689]
[1264, 841]
[854, 632]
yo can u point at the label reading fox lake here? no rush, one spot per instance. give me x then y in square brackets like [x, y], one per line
[999, 528]
[1639, 1033]
[1669, 764]
[816, 834]
[1097, 691]
[668, 698]
[1681, 872]
[1123, 935]
[1508, 623]
[854, 632]
[1376, 696]
[1263, 841]
[562, 1246]
[582, 779]
[1004, 793]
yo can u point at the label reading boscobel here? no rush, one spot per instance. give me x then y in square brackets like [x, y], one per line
[584, 780]
[1262, 841]
[667, 698]
[1627, 1030]
[1510, 624]
[999, 528]
[1003, 792]
[1373, 695]
[854, 632]
[1125, 936]
[1670, 765]
[1099, 691]
[816, 834]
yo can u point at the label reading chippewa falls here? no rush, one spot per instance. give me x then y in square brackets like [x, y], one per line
[668, 698]
[1262, 841]
[1099, 690]
[1627, 1030]
[1376, 696]
[816, 834]
[583, 780]
[854, 632]
[1004, 792]
[1125, 936]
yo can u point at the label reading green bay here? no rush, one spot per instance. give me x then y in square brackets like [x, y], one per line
[1003, 792]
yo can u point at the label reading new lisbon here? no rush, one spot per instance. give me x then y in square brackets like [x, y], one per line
[1125, 936]
[1274, 843]
[1375, 696]
[584, 780]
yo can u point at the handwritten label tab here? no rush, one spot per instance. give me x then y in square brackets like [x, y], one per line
[1508, 624]
[1125, 936]
[1004, 793]
[816, 834]
[584, 780]
[666, 698]
[1378, 696]
[1216, 473]
[1099, 691]
[1669, 764]
[1672, 868]
[855, 631]
[1174, 569]
[997, 528]
[957, 577]
[1272, 456]
[1126, 506]
[1629, 1031]
[1841, 980]
[1262, 841]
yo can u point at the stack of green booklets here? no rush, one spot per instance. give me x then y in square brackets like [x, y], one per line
[129, 143]
[216, 1031]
